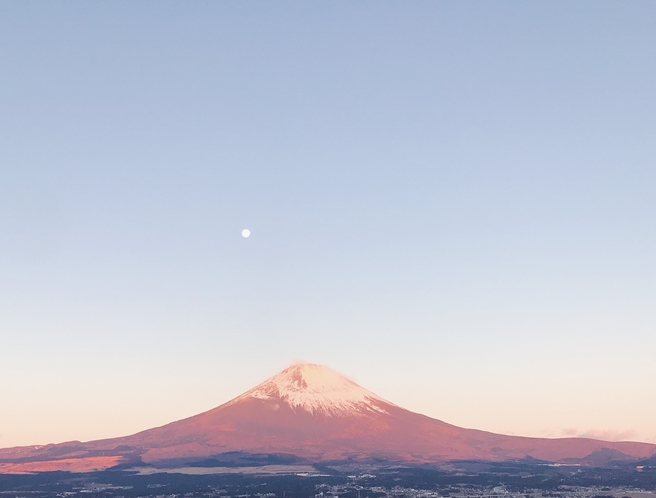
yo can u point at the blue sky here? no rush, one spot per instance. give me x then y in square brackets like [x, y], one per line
[452, 203]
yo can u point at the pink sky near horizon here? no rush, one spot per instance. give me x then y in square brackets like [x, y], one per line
[59, 414]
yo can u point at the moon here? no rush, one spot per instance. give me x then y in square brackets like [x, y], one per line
[245, 233]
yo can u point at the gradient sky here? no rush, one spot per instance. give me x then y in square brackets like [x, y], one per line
[452, 203]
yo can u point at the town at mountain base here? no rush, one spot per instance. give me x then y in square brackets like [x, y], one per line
[311, 413]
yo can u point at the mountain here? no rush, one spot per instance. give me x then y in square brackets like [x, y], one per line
[312, 413]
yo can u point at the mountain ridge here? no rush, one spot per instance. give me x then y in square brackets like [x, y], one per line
[315, 414]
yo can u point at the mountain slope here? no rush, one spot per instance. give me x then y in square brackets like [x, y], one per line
[314, 413]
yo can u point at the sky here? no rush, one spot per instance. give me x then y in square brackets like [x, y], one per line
[451, 203]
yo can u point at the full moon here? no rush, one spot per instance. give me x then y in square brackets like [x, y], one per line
[245, 232]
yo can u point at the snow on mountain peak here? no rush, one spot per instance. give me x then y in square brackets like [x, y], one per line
[319, 390]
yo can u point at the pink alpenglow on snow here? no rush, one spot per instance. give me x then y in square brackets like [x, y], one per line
[318, 390]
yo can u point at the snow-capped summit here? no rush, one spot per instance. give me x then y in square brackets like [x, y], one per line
[317, 389]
